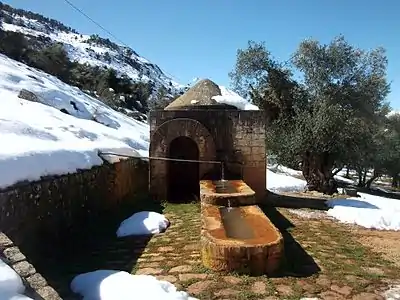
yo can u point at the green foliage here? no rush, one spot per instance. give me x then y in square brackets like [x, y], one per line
[329, 117]
[53, 60]
[96, 39]
[161, 99]
[117, 90]
[14, 45]
[389, 155]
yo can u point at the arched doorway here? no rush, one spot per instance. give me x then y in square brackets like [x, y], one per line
[183, 177]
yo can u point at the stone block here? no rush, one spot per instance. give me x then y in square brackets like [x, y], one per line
[48, 293]
[13, 254]
[36, 281]
[4, 241]
[24, 268]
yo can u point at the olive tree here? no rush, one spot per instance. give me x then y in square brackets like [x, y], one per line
[321, 106]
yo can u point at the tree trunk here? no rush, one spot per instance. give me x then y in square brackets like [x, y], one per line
[316, 168]
[369, 181]
[347, 172]
[359, 173]
[395, 181]
[364, 177]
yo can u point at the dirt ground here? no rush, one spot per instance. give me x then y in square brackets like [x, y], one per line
[386, 243]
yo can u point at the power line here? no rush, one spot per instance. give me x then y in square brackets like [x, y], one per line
[109, 32]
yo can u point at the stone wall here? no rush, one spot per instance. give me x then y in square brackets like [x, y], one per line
[41, 212]
[249, 139]
[222, 135]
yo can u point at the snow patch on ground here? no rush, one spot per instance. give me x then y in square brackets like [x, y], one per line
[143, 223]
[367, 211]
[393, 293]
[111, 285]
[284, 170]
[11, 286]
[39, 140]
[14, 297]
[284, 183]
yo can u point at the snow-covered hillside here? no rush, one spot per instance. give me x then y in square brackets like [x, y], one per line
[92, 50]
[38, 139]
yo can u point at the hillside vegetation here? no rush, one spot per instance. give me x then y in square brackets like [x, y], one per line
[115, 74]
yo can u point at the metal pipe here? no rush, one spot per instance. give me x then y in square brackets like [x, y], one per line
[176, 159]
[162, 158]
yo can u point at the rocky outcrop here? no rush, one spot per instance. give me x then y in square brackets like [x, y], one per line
[28, 95]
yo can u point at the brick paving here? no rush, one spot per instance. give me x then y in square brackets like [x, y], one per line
[321, 262]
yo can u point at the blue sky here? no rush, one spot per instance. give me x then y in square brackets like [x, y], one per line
[190, 39]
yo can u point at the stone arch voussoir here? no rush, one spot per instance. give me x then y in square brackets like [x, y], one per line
[190, 128]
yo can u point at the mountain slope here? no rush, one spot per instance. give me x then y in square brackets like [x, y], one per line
[84, 49]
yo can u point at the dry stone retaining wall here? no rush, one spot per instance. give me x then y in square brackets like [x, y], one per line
[33, 212]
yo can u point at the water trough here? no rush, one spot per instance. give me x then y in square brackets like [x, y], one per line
[236, 234]
[240, 239]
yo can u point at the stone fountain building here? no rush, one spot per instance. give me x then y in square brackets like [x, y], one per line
[196, 127]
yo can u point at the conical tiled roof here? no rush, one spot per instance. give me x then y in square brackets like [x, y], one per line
[198, 95]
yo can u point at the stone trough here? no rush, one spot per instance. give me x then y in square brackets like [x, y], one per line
[219, 192]
[238, 238]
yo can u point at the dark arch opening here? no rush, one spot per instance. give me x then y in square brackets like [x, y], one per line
[183, 177]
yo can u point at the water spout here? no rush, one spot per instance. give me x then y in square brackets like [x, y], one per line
[229, 205]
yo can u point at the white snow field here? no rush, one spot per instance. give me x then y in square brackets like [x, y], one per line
[143, 223]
